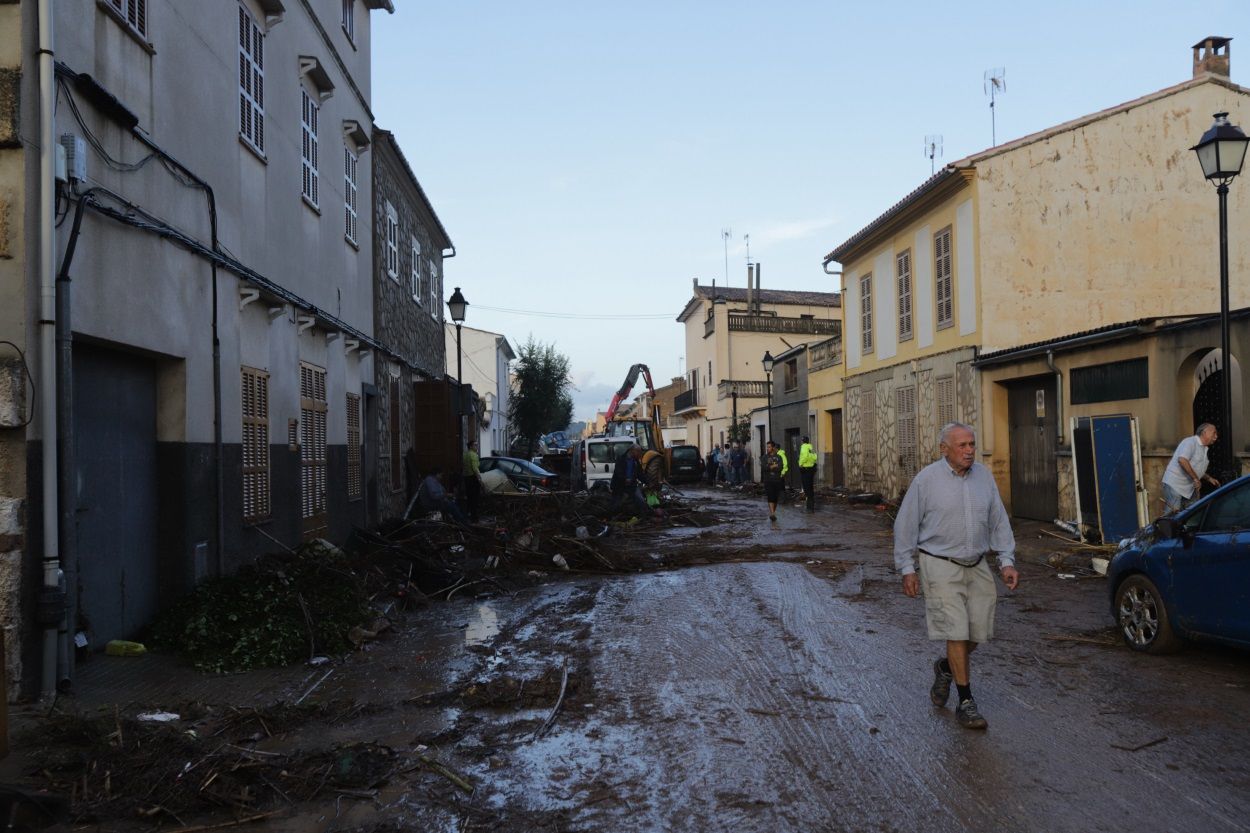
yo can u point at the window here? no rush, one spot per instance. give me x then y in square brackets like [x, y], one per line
[350, 163]
[309, 111]
[436, 291]
[353, 446]
[251, 83]
[349, 19]
[1110, 382]
[792, 374]
[903, 263]
[414, 272]
[942, 277]
[868, 433]
[945, 395]
[865, 312]
[312, 404]
[134, 13]
[1231, 512]
[392, 242]
[255, 401]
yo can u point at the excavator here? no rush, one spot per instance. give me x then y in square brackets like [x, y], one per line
[593, 458]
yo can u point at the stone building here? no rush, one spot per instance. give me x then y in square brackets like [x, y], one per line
[409, 247]
[216, 319]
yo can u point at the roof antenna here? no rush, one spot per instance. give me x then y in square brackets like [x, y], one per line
[725, 234]
[932, 149]
[994, 82]
[747, 239]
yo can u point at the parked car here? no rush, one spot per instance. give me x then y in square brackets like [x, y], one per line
[1187, 576]
[523, 474]
[594, 460]
[687, 465]
[557, 442]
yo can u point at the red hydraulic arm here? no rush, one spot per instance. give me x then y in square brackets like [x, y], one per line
[623, 393]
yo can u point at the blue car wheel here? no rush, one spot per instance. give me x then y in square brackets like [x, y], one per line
[1143, 618]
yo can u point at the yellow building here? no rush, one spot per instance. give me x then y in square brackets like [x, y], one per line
[1099, 220]
[825, 401]
[728, 331]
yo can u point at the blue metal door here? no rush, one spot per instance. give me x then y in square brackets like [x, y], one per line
[1116, 476]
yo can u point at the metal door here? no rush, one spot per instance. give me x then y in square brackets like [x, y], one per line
[1032, 429]
[1117, 473]
[837, 470]
[115, 452]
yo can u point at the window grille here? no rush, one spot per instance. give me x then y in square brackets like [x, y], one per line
[942, 278]
[905, 401]
[349, 19]
[255, 408]
[251, 82]
[414, 276]
[903, 262]
[353, 446]
[397, 462]
[134, 13]
[350, 164]
[944, 392]
[313, 408]
[392, 242]
[309, 113]
[865, 311]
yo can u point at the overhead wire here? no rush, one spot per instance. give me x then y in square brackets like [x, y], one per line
[578, 315]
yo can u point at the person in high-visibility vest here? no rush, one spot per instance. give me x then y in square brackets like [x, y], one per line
[807, 472]
[774, 465]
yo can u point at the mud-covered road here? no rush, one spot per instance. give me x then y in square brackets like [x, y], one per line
[788, 692]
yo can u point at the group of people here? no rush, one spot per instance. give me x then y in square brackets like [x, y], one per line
[727, 465]
[433, 496]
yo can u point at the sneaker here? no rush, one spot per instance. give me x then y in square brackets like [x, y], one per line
[772, 517]
[941, 690]
[969, 716]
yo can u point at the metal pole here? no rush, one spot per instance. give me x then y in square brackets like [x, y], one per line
[733, 431]
[1226, 356]
[458, 368]
[770, 406]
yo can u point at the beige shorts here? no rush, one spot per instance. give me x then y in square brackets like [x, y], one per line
[958, 601]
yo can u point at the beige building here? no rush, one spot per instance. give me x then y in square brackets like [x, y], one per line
[1100, 220]
[728, 331]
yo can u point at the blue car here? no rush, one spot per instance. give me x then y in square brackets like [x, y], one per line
[1187, 576]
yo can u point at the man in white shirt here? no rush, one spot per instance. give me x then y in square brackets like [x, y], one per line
[1187, 470]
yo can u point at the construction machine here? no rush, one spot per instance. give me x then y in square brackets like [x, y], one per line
[593, 458]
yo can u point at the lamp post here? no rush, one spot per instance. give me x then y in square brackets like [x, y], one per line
[768, 362]
[733, 431]
[1221, 152]
[456, 304]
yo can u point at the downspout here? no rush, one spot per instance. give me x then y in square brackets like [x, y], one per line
[51, 614]
[1050, 363]
[66, 462]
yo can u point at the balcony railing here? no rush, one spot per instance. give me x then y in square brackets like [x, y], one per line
[687, 399]
[825, 353]
[779, 324]
[747, 389]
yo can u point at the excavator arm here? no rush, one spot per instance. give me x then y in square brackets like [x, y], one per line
[631, 379]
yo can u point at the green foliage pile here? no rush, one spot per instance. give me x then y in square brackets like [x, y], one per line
[282, 610]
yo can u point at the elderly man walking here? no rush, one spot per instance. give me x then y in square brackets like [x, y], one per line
[951, 518]
[1187, 470]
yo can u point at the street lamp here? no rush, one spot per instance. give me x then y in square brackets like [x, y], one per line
[456, 304]
[769, 361]
[1221, 152]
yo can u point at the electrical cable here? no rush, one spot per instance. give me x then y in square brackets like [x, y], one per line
[577, 315]
[29, 378]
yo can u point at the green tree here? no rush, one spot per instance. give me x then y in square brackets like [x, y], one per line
[541, 402]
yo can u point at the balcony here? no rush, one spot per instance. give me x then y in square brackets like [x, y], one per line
[747, 389]
[781, 325]
[824, 353]
[685, 401]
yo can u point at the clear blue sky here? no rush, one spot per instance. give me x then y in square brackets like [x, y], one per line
[585, 157]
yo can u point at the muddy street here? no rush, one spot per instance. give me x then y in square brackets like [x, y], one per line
[786, 691]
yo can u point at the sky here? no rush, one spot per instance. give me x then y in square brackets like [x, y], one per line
[586, 158]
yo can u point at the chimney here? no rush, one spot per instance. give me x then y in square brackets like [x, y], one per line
[758, 300]
[1211, 55]
[750, 288]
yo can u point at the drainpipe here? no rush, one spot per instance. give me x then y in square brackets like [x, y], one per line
[1050, 363]
[52, 595]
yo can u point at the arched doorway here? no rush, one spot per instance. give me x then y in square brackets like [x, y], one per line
[1208, 402]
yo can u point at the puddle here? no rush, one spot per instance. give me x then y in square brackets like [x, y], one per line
[483, 627]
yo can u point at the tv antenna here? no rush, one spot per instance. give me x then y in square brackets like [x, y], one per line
[747, 239]
[933, 149]
[994, 82]
[725, 234]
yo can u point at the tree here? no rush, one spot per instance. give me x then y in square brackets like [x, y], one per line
[541, 402]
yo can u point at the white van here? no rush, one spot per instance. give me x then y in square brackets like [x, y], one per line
[595, 459]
